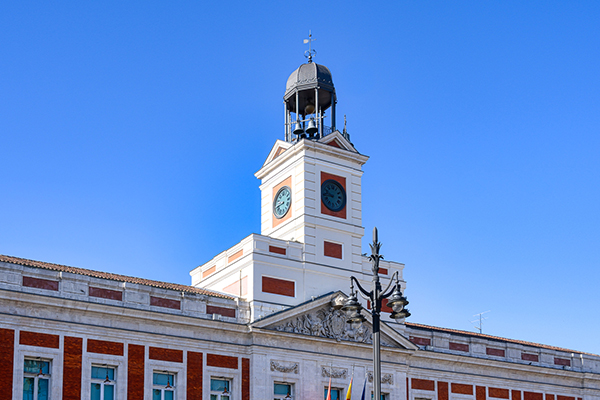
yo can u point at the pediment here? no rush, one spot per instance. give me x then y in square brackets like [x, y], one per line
[336, 139]
[278, 148]
[322, 318]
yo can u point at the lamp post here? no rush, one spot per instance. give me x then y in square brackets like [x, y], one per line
[396, 301]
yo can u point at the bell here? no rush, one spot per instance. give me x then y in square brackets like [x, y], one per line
[312, 127]
[298, 129]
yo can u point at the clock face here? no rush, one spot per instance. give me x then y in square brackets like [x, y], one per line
[333, 195]
[282, 202]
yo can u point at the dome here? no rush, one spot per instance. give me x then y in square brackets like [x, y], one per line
[309, 76]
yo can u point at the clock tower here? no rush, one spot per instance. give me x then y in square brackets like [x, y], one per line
[311, 210]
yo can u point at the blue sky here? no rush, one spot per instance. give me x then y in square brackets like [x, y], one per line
[130, 133]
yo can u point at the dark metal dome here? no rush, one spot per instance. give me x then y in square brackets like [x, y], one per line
[310, 76]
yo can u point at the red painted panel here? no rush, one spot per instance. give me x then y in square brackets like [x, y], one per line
[194, 376]
[245, 379]
[458, 346]
[383, 271]
[494, 352]
[562, 361]
[166, 303]
[278, 250]
[443, 390]
[135, 371]
[235, 256]
[217, 360]
[7, 357]
[499, 393]
[224, 311]
[533, 396]
[549, 396]
[420, 341]
[39, 339]
[422, 384]
[105, 347]
[480, 393]
[39, 283]
[72, 368]
[209, 271]
[159, 353]
[106, 293]
[278, 286]
[332, 249]
[461, 388]
[516, 395]
[559, 397]
[529, 357]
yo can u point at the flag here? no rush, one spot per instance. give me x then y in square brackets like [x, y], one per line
[349, 388]
[364, 388]
[329, 389]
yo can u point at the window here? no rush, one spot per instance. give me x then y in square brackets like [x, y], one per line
[163, 386]
[335, 394]
[36, 379]
[103, 383]
[384, 396]
[282, 391]
[220, 389]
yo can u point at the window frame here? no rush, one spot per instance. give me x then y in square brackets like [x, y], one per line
[222, 378]
[36, 377]
[292, 390]
[164, 389]
[339, 390]
[102, 382]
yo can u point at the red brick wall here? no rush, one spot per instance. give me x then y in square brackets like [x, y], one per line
[480, 393]
[549, 396]
[516, 395]
[460, 388]
[278, 286]
[529, 357]
[532, 396]
[39, 339]
[166, 303]
[420, 341]
[342, 181]
[422, 384]
[383, 271]
[104, 347]
[7, 356]
[194, 376]
[490, 351]
[278, 250]
[135, 371]
[499, 393]
[559, 397]
[159, 353]
[458, 346]
[40, 283]
[332, 249]
[443, 390]
[245, 379]
[224, 311]
[216, 360]
[73, 349]
[106, 293]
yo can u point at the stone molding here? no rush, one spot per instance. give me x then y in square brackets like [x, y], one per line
[279, 367]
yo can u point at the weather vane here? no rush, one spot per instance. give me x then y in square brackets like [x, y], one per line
[310, 52]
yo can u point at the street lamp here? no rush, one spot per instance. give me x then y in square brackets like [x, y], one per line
[396, 301]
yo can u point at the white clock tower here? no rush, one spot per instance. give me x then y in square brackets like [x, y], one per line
[311, 210]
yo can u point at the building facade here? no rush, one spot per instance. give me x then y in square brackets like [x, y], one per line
[262, 319]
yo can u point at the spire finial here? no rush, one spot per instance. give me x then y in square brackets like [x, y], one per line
[310, 52]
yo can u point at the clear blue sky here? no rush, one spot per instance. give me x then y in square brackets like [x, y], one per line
[130, 133]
